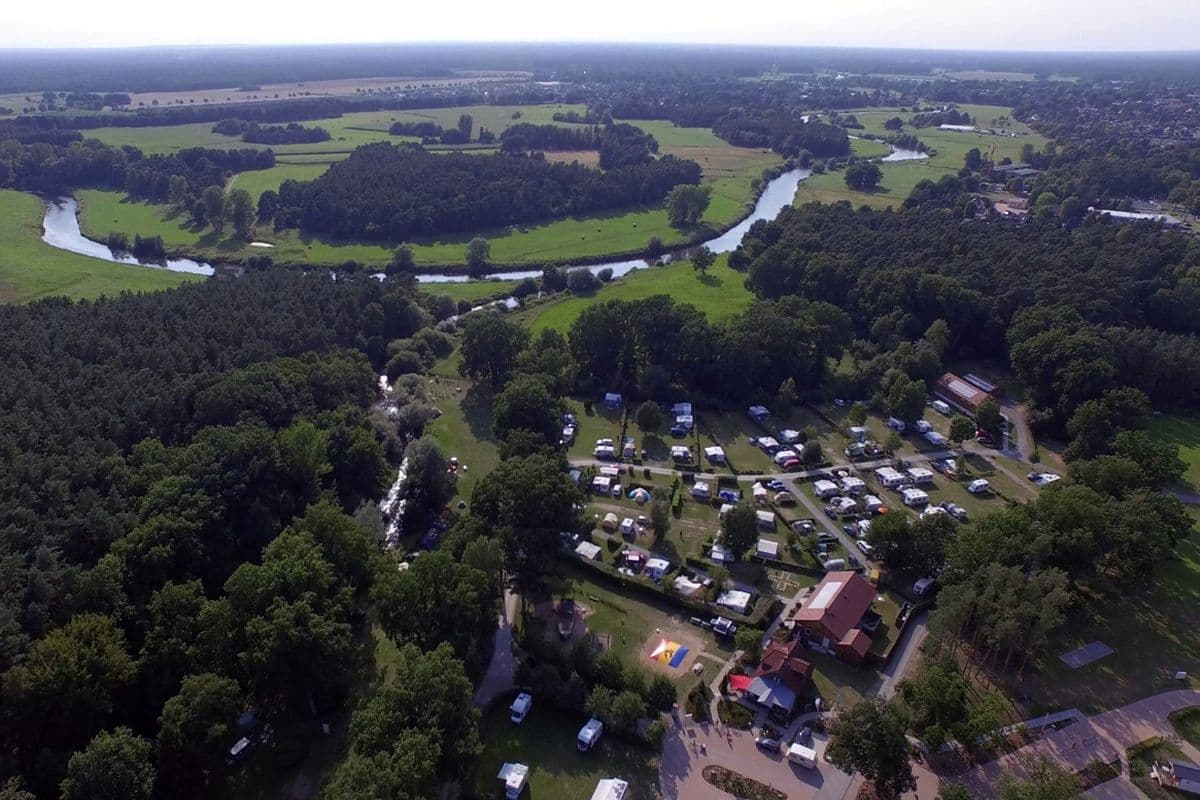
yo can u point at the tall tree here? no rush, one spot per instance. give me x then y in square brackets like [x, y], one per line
[479, 253]
[740, 529]
[427, 485]
[114, 766]
[215, 210]
[686, 204]
[194, 733]
[242, 213]
[490, 347]
[869, 738]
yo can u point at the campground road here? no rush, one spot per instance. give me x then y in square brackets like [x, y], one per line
[502, 669]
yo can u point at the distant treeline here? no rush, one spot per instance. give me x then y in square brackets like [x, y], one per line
[253, 133]
[619, 145]
[783, 132]
[27, 135]
[415, 129]
[383, 191]
[45, 167]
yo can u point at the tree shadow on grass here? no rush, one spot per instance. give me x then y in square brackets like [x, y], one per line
[709, 279]
[477, 410]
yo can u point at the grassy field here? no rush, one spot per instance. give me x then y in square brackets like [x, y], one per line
[1185, 433]
[729, 170]
[261, 180]
[31, 269]
[469, 290]
[1155, 632]
[719, 294]
[899, 177]
[1187, 725]
[464, 429]
[545, 742]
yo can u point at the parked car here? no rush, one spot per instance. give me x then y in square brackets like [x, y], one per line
[775, 485]
[768, 744]
[865, 547]
[1043, 478]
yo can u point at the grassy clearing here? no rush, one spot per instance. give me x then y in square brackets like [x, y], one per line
[30, 269]
[900, 177]
[1184, 432]
[719, 295]
[261, 180]
[546, 743]
[464, 429]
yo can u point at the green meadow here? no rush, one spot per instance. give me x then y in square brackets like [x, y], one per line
[719, 294]
[30, 269]
[899, 177]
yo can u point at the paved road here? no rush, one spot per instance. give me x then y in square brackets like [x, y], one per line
[903, 656]
[1104, 737]
[688, 748]
[502, 669]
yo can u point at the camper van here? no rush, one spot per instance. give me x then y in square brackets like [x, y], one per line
[520, 708]
[804, 756]
[589, 734]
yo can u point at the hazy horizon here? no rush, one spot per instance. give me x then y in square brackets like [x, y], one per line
[1074, 26]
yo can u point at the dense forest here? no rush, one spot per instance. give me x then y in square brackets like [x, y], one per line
[188, 532]
[1077, 311]
[382, 191]
[42, 166]
[784, 133]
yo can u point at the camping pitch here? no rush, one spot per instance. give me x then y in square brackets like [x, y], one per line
[670, 653]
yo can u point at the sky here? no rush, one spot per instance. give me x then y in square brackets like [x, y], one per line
[1053, 25]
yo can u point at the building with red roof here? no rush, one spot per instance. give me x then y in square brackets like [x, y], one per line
[834, 608]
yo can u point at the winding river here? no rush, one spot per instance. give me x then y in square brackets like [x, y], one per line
[61, 230]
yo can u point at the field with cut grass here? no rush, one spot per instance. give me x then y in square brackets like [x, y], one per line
[261, 180]
[31, 269]
[950, 148]
[719, 294]
[469, 290]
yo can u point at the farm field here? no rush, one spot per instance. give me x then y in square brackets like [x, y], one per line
[31, 269]
[545, 742]
[729, 170]
[899, 177]
[719, 295]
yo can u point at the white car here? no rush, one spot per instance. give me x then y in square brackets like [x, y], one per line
[865, 547]
[520, 708]
[1043, 478]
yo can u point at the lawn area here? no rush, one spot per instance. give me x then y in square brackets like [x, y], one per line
[1183, 431]
[1187, 725]
[545, 742]
[1155, 632]
[839, 684]
[899, 177]
[728, 169]
[719, 294]
[30, 269]
[593, 422]
[464, 430]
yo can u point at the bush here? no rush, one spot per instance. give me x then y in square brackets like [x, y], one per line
[605, 275]
[582, 281]
[405, 362]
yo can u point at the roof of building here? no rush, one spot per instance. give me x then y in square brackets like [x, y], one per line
[768, 547]
[1185, 772]
[960, 390]
[856, 640]
[771, 692]
[786, 663]
[837, 603]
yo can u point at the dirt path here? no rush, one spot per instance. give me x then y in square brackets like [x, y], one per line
[502, 669]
